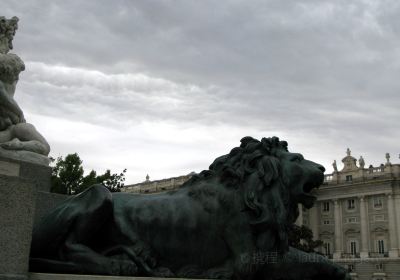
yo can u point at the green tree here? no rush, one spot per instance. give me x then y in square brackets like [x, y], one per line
[67, 174]
[301, 237]
[88, 181]
[114, 182]
[67, 177]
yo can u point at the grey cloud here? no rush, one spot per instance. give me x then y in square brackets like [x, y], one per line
[329, 69]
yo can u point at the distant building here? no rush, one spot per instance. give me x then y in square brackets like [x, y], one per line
[157, 185]
[357, 216]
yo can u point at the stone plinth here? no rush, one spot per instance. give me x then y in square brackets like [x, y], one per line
[49, 276]
[25, 156]
[39, 174]
[17, 205]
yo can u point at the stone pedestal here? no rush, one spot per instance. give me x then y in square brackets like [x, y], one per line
[37, 173]
[17, 205]
[19, 185]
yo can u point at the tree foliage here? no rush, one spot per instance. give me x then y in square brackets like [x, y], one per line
[68, 177]
[301, 237]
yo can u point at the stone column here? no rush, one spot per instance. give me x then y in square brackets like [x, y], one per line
[393, 249]
[299, 220]
[364, 228]
[314, 221]
[337, 254]
[397, 211]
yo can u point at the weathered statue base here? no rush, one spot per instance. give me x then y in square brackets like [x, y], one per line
[19, 185]
[17, 204]
[25, 156]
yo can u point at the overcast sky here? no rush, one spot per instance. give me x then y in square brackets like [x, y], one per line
[164, 87]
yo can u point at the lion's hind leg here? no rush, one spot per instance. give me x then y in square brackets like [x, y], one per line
[67, 239]
[146, 264]
[109, 266]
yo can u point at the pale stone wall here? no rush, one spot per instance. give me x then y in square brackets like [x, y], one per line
[157, 185]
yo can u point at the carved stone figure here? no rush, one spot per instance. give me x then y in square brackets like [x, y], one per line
[334, 164]
[18, 139]
[361, 162]
[214, 226]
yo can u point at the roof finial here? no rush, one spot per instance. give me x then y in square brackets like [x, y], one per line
[348, 152]
[387, 159]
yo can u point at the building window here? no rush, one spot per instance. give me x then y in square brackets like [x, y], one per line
[349, 178]
[350, 267]
[378, 202]
[353, 247]
[381, 246]
[379, 218]
[326, 222]
[325, 206]
[351, 220]
[350, 204]
[379, 266]
[327, 248]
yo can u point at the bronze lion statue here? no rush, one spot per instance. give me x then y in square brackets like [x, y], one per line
[214, 226]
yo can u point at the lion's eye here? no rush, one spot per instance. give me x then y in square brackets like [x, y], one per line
[296, 158]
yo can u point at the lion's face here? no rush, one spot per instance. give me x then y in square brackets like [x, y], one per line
[301, 176]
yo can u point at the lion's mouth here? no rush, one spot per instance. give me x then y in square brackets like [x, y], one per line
[305, 197]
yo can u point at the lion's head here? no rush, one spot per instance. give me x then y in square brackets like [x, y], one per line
[270, 179]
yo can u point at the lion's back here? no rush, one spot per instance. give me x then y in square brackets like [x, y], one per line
[167, 221]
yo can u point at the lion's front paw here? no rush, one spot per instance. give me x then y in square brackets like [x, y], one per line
[150, 261]
[162, 272]
[123, 268]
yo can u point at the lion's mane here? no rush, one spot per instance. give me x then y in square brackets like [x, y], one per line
[254, 171]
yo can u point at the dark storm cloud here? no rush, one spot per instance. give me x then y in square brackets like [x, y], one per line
[329, 69]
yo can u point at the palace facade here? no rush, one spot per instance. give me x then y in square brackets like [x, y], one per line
[357, 216]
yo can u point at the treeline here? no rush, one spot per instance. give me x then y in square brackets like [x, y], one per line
[68, 177]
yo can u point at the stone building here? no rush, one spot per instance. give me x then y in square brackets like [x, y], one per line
[157, 185]
[357, 216]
